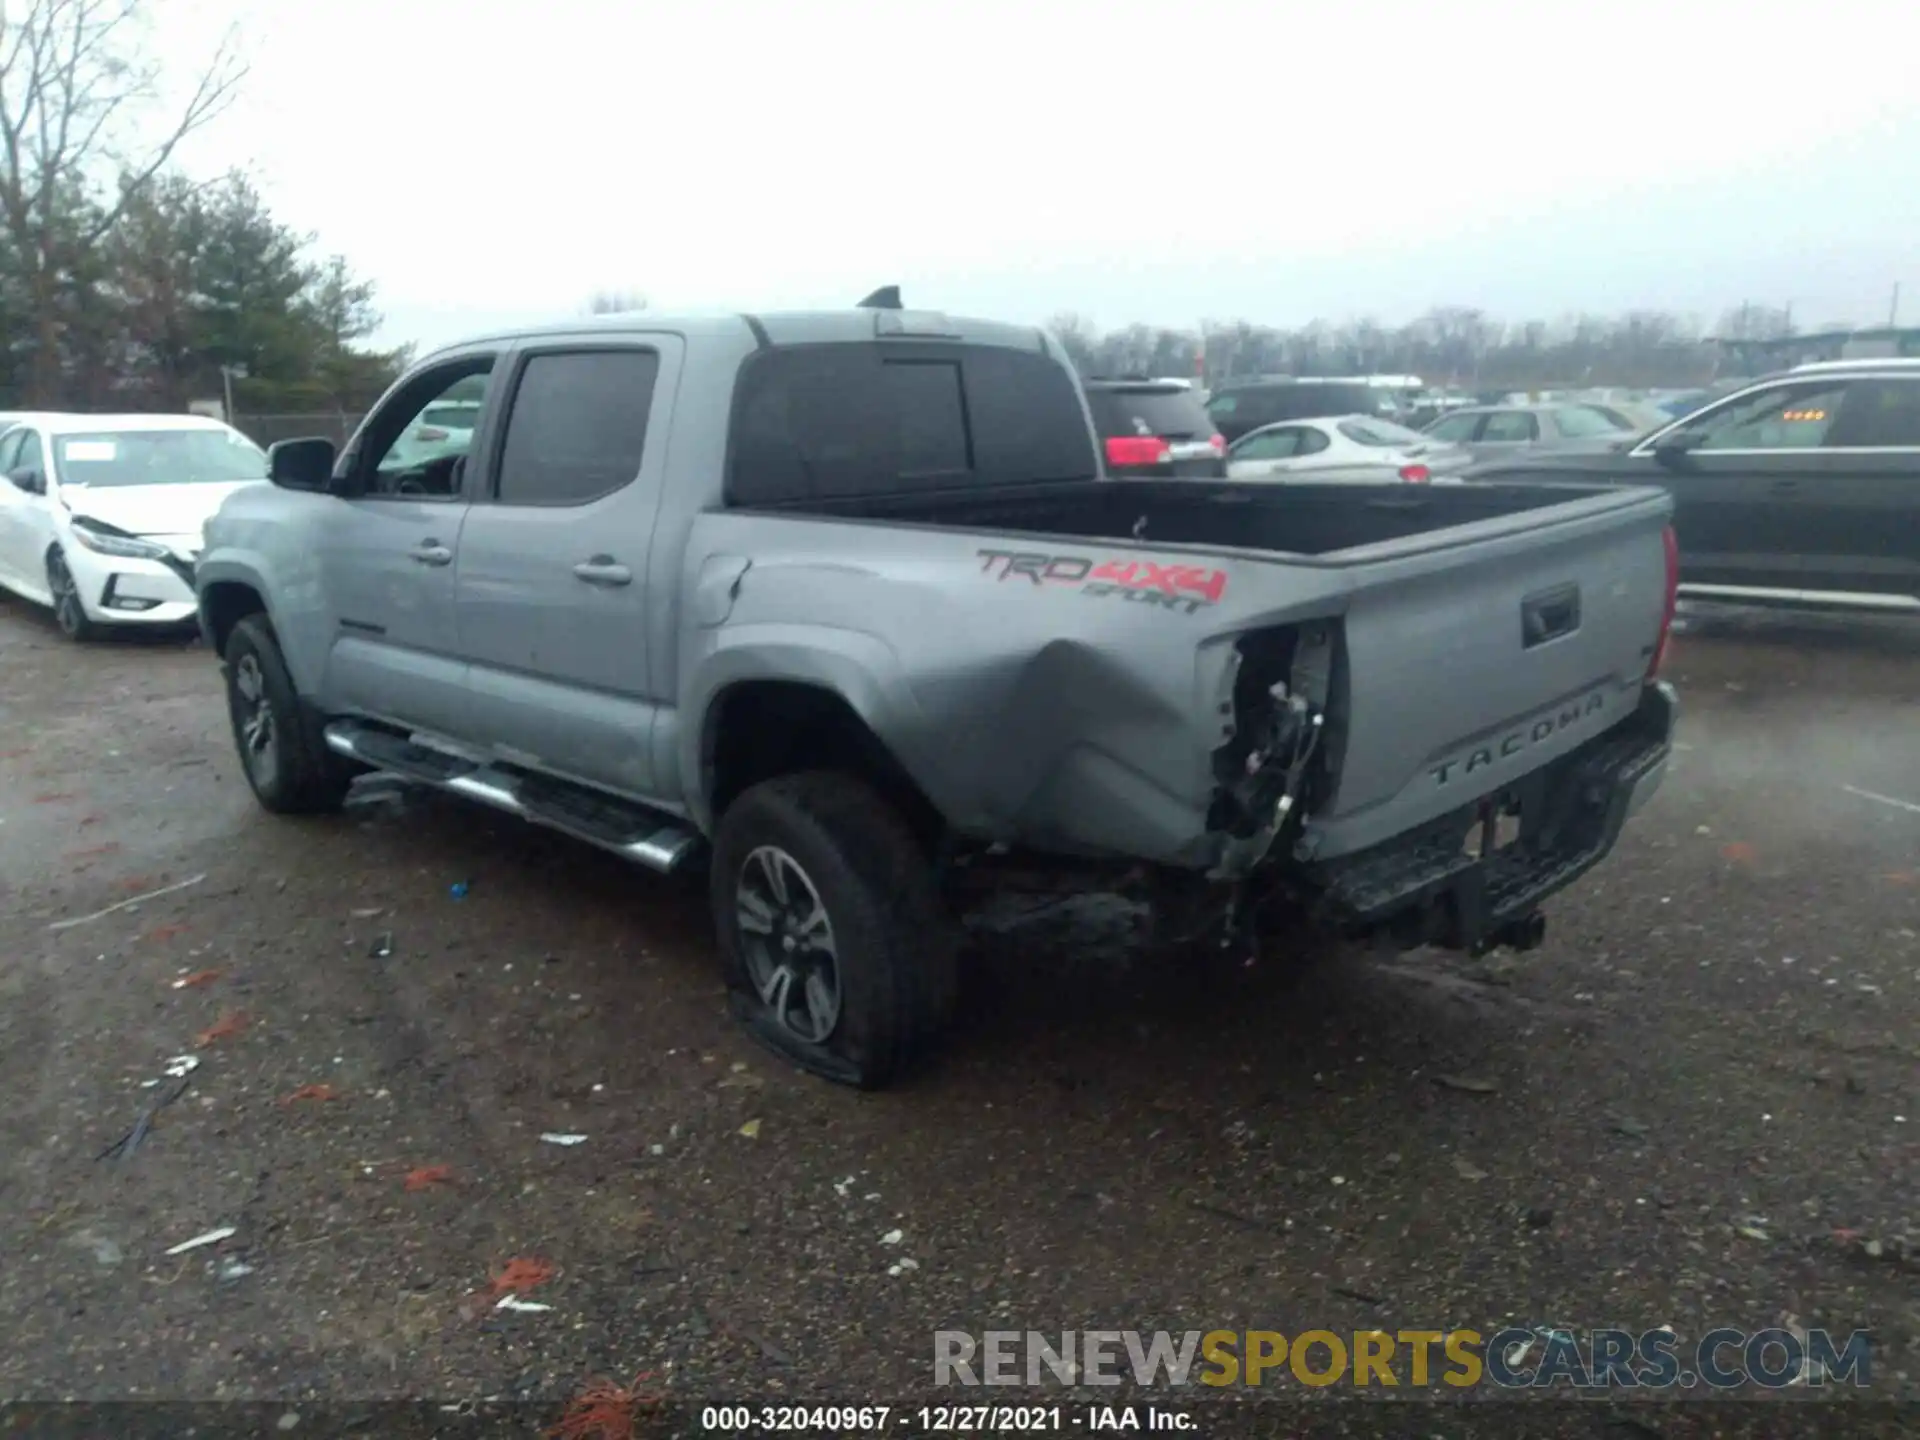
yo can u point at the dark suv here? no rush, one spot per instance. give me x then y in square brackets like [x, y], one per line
[1242, 407]
[1798, 489]
[1156, 429]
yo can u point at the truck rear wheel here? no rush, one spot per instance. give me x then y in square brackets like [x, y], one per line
[836, 951]
[285, 760]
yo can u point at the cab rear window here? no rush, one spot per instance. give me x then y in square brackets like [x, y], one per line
[839, 421]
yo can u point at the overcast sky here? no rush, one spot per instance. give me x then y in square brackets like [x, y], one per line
[1014, 158]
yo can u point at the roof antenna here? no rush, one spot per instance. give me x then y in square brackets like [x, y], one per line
[887, 297]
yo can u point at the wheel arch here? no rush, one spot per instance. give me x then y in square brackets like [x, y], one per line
[224, 603]
[757, 729]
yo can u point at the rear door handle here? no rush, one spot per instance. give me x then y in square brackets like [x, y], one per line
[603, 570]
[431, 552]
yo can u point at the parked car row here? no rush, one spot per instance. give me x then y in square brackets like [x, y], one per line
[1159, 429]
[1800, 488]
[1797, 488]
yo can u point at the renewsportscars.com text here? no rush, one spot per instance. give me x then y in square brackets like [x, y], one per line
[1514, 1358]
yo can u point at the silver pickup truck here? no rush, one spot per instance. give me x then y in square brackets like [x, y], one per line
[843, 604]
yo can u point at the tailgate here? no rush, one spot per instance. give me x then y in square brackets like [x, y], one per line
[1471, 660]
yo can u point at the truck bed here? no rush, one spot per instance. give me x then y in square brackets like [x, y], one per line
[1296, 520]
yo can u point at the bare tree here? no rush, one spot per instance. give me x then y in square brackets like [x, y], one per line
[616, 302]
[79, 142]
[1757, 322]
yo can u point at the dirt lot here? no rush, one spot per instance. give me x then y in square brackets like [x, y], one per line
[1663, 1116]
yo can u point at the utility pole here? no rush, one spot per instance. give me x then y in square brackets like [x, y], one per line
[229, 374]
[1893, 310]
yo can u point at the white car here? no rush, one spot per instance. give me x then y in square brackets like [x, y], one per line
[1343, 449]
[101, 515]
[444, 428]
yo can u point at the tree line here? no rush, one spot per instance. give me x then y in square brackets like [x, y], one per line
[128, 285]
[1450, 345]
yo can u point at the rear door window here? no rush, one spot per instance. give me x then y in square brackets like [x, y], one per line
[1581, 422]
[1247, 407]
[1167, 414]
[1510, 425]
[1455, 429]
[1307, 400]
[846, 420]
[1268, 445]
[578, 426]
[1879, 415]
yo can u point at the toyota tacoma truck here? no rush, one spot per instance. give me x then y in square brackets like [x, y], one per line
[836, 607]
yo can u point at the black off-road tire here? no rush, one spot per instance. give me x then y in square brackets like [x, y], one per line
[293, 773]
[896, 949]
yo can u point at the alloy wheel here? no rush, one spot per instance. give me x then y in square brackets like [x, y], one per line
[253, 720]
[787, 940]
[68, 612]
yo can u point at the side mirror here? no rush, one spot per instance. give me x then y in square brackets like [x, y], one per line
[1673, 451]
[28, 480]
[301, 464]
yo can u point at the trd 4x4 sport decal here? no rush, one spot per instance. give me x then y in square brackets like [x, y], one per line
[1175, 587]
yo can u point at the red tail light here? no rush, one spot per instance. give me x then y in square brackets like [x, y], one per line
[429, 433]
[1138, 450]
[1219, 443]
[1671, 543]
[1415, 474]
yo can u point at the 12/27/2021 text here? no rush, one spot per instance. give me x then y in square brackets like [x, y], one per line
[941, 1419]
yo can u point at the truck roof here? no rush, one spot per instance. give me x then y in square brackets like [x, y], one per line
[780, 327]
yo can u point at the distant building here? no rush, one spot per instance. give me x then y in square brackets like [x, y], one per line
[1759, 357]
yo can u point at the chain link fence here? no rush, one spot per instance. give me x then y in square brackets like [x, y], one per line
[264, 430]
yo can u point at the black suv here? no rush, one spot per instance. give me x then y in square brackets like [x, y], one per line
[1241, 407]
[1156, 429]
[1799, 488]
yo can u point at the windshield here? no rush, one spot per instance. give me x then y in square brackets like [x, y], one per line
[1383, 433]
[158, 457]
[1580, 421]
[460, 415]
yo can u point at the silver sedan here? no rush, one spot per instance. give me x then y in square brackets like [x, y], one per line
[1490, 430]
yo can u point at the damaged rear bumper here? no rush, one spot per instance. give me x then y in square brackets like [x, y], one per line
[1428, 888]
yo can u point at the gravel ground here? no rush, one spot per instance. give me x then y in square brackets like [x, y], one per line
[1697, 1104]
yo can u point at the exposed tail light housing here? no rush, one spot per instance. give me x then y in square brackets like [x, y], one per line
[1138, 450]
[1415, 474]
[1671, 543]
[1219, 443]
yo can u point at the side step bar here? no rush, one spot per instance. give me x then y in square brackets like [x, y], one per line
[628, 830]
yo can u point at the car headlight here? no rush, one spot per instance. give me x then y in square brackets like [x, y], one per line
[127, 547]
